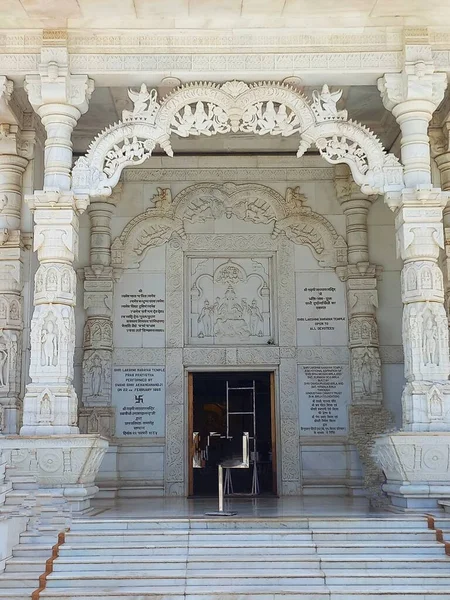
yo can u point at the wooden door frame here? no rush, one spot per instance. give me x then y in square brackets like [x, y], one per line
[273, 424]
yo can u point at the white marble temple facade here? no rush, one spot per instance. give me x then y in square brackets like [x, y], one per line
[220, 226]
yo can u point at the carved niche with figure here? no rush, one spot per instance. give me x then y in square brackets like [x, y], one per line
[230, 301]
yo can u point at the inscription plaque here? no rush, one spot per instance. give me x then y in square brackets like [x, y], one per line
[139, 312]
[321, 310]
[139, 398]
[324, 393]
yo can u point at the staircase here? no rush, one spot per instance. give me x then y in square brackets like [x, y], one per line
[240, 559]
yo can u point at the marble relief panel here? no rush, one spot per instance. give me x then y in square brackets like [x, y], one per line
[229, 300]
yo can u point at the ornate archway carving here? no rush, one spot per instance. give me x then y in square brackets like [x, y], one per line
[265, 108]
[248, 202]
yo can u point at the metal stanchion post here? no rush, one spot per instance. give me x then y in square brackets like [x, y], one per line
[221, 512]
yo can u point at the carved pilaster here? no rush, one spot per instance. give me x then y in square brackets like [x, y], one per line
[362, 298]
[97, 415]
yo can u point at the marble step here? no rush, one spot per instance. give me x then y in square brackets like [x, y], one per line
[256, 592]
[80, 524]
[34, 550]
[363, 548]
[17, 580]
[268, 561]
[22, 593]
[171, 536]
[142, 549]
[232, 536]
[21, 565]
[246, 577]
[33, 538]
[150, 579]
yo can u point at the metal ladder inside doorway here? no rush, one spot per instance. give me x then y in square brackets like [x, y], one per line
[252, 436]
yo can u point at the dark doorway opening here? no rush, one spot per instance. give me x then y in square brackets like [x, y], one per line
[224, 405]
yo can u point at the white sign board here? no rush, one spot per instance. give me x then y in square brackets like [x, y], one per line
[140, 311]
[324, 395]
[139, 398]
[321, 310]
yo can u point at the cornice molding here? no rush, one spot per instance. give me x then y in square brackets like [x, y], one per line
[200, 41]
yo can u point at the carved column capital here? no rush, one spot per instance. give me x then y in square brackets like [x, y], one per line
[417, 84]
[412, 96]
[55, 84]
[59, 98]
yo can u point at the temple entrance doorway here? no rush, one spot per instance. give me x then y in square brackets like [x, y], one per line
[222, 407]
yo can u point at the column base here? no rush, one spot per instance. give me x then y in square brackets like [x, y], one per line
[416, 467]
[68, 465]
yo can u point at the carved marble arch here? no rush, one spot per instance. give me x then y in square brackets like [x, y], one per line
[264, 108]
[251, 202]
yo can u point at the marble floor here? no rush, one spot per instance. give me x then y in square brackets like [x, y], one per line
[307, 506]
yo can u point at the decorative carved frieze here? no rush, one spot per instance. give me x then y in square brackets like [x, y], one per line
[220, 174]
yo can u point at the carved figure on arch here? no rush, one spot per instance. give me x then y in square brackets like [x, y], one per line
[324, 104]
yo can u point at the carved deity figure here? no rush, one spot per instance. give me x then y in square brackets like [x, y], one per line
[45, 409]
[65, 282]
[51, 281]
[3, 362]
[14, 311]
[206, 317]
[366, 374]
[49, 344]
[255, 318]
[230, 320]
[3, 309]
[430, 340]
[96, 375]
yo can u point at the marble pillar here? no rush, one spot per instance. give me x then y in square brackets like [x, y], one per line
[367, 415]
[16, 148]
[416, 459]
[48, 446]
